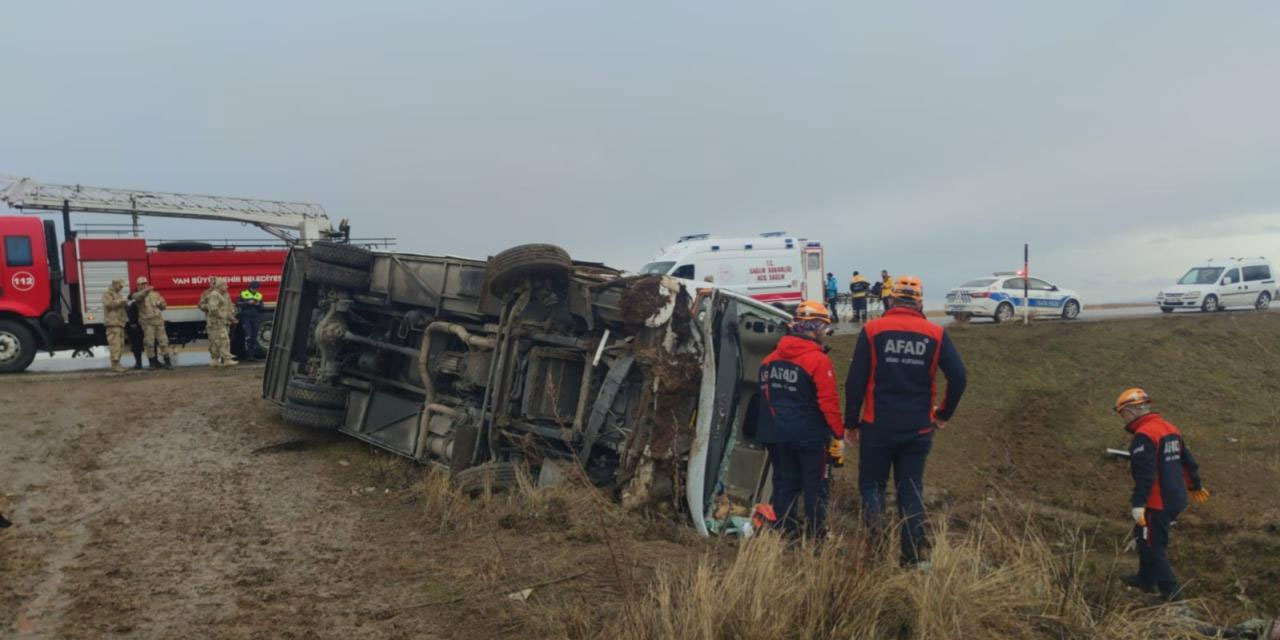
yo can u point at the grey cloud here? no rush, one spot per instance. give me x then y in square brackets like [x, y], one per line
[917, 137]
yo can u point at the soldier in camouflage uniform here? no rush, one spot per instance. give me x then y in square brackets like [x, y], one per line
[113, 317]
[151, 307]
[219, 313]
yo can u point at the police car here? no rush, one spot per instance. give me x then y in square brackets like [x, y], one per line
[1000, 298]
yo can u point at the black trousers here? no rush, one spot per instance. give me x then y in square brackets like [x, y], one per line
[249, 325]
[905, 455]
[134, 332]
[1154, 570]
[860, 309]
[800, 467]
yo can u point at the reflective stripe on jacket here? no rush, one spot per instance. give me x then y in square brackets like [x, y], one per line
[250, 303]
[892, 377]
[1162, 467]
[798, 398]
[859, 287]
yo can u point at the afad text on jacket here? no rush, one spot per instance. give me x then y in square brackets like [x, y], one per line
[892, 378]
[1162, 466]
[798, 400]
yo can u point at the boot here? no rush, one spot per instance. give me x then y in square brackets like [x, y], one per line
[137, 362]
[168, 362]
[229, 361]
[153, 363]
[115, 366]
[1136, 582]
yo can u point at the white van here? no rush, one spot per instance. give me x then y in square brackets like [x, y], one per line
[1218, 284]
[772, 267]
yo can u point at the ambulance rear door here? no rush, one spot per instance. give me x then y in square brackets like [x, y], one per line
[814, 281]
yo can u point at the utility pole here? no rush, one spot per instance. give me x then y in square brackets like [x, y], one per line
[1026, 284]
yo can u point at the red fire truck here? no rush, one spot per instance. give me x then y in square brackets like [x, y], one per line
[51, 292]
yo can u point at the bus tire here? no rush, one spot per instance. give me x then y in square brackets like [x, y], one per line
[341, 253]
[312, 394]
[511, 267]
[492, 477]
[336, 275]
[312, 417]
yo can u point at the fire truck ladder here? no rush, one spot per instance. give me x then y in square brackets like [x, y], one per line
[293, 222]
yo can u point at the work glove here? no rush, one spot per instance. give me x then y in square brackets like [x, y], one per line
[1139, 516]
[1200, 495]
[835, 451]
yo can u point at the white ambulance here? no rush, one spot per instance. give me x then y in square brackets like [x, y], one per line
[773, 267]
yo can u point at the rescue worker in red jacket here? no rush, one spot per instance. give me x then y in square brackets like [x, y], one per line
[890, 411]
[800, 419]
[1163, 473]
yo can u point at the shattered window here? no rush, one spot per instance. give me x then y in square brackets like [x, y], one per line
[657, 268]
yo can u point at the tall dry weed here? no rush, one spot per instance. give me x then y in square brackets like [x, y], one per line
[999, 578]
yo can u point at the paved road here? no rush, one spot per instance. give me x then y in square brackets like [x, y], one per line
[62, 361]
[1088, 315]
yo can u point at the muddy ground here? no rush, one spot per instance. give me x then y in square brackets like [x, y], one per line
[176, 504]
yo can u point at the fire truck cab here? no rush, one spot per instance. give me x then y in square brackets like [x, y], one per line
[27, 264]
[51, 296]
[51, 292]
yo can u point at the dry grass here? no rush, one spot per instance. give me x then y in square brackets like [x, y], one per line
[1036, 418]
[1000, 578]
[1005, 573]
[1028, 517]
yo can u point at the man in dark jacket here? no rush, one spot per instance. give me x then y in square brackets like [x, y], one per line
[1163, 472]
[889, 409]
[249, 308]
[800, 419]
[133, 329]
[859, 290]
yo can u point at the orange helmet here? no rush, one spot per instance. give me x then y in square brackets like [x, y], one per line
[812, 310]
[908, 288]
[1132, 397]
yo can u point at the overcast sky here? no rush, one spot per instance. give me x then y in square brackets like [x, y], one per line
[1124, 141]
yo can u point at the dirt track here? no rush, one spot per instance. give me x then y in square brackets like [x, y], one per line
[140, 500]
[176, 504]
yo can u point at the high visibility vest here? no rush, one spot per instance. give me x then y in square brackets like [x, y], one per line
[249, 295]
[858, 287]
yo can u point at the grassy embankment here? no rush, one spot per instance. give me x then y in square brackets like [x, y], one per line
[1029, 517]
